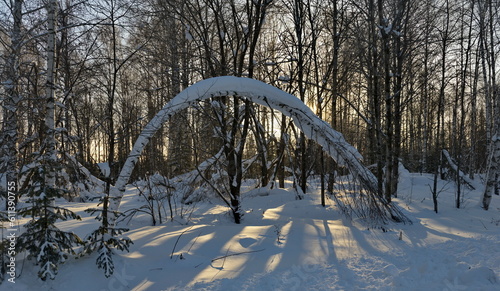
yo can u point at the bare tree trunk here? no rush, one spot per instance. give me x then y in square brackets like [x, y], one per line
[465, 57]
[260, 139]
[178, 145]
[298, 21]
[281, 153]
[233, 150]
[493, 170]
[374, 100]
[50, 86]
[473, 120]
[384, 31]
[440, 113]
[495, 98]
[401, 45]
[258, 19]
[313, 20]
[425, 143]
[335, 85]
[10, 106]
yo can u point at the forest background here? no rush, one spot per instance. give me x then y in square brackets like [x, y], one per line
[411, 82]
[408, 83]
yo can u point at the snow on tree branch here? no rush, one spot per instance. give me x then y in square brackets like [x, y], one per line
[258, 92]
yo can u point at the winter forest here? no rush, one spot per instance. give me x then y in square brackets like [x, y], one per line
[250, 145]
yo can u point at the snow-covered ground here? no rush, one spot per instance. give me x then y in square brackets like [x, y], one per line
[288, 244]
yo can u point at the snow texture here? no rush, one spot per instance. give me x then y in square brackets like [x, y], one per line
[287, 244]
[105, 169]
[258, 92]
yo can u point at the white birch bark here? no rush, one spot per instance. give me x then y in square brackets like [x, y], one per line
[50, 141]
[493, 171]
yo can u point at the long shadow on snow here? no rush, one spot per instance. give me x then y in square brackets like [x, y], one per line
[195, 248]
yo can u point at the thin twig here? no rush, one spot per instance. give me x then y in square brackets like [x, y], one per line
[194, 241]
[482, 224]
[221, 267]
[224, 261]
[236, 254]
[173, 250]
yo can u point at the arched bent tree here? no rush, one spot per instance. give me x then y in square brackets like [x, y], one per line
[369, 203]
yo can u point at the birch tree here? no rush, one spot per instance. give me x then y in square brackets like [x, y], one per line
[43, 240]
[50, 86]
[439, 139]
[493, 163]
[493, 170]
[13, 97]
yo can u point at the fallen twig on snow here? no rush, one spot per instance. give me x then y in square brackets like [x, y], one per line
[236, 254]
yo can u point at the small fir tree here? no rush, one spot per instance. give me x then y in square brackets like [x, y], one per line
[105, 238]
[42, 239]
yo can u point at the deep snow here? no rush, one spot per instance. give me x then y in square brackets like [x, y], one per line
[288, 244]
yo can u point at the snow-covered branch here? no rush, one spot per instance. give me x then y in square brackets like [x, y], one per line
[313, 127]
